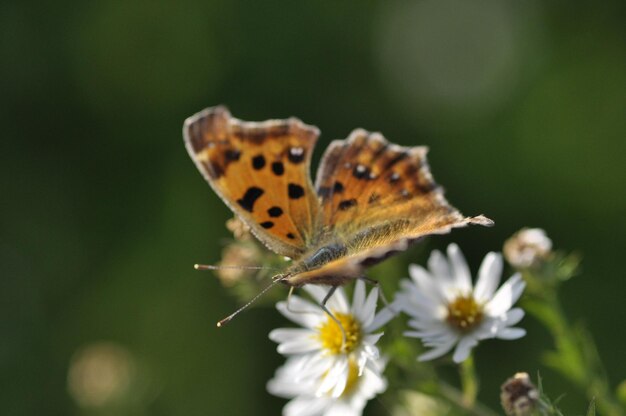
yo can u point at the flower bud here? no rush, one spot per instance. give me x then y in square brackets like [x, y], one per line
[527, 248]
[235, 258]
[239, 229]
[518, 395]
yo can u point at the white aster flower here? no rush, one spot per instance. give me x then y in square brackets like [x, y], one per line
[319, 345]
[293, 382]
[447, 310]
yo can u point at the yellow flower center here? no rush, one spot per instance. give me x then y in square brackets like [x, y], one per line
[464, 313]
[332, 338]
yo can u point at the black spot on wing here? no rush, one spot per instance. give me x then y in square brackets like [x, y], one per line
[278, 168]
[400, 156]
[295, 191]
[338, 187]
[295, 154]
[347, 204]
[275, 212]
[249, 198]
[361, 172]
[258, 162]
[267, 224]
[232, 155]
[426, 187]
[214, 170]
[290, 236]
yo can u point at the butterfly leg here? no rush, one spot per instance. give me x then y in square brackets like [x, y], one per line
[291, 289]
[376, 283]
[333, 317]
[290, 307]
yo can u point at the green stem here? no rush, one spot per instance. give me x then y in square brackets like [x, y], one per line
[575, 355]
[469, 382]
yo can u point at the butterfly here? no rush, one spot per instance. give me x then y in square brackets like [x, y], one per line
[371, 198]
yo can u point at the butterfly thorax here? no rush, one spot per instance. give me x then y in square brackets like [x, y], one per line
[324, 265]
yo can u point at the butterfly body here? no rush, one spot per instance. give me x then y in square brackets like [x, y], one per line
[371, 198]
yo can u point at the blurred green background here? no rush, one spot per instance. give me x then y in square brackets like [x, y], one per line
[103, 214]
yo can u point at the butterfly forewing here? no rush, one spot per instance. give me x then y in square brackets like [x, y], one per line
[261, 170]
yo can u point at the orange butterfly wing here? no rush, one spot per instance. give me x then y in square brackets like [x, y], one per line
[261, 171]
[379, 197]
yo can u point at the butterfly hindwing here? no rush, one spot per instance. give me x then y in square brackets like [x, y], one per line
[377, 198]
[261, 171]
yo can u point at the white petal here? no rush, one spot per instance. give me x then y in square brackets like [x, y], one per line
[371, 351]
[514, 316]
[338, 301]
[342, 409]
[506, 296]
[415, 303]
[315, 367]
[302, 312]
[283, 382]
[340, 386]
[488, 328]
[317, 292]
[436, 352]
[511, 333]
[372, 339]
[424, 282]
[358, 298]
[336, 373]
[427, 332]
[438, 266]
[305, 406]
[382, 317]
[461, 277]
[464, 348]
[488, 277]
[297, 346]
[369, 308]
[374, 367]
[287, 334]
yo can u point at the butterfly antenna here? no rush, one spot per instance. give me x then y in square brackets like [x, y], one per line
[261, 293]
[211, 267]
